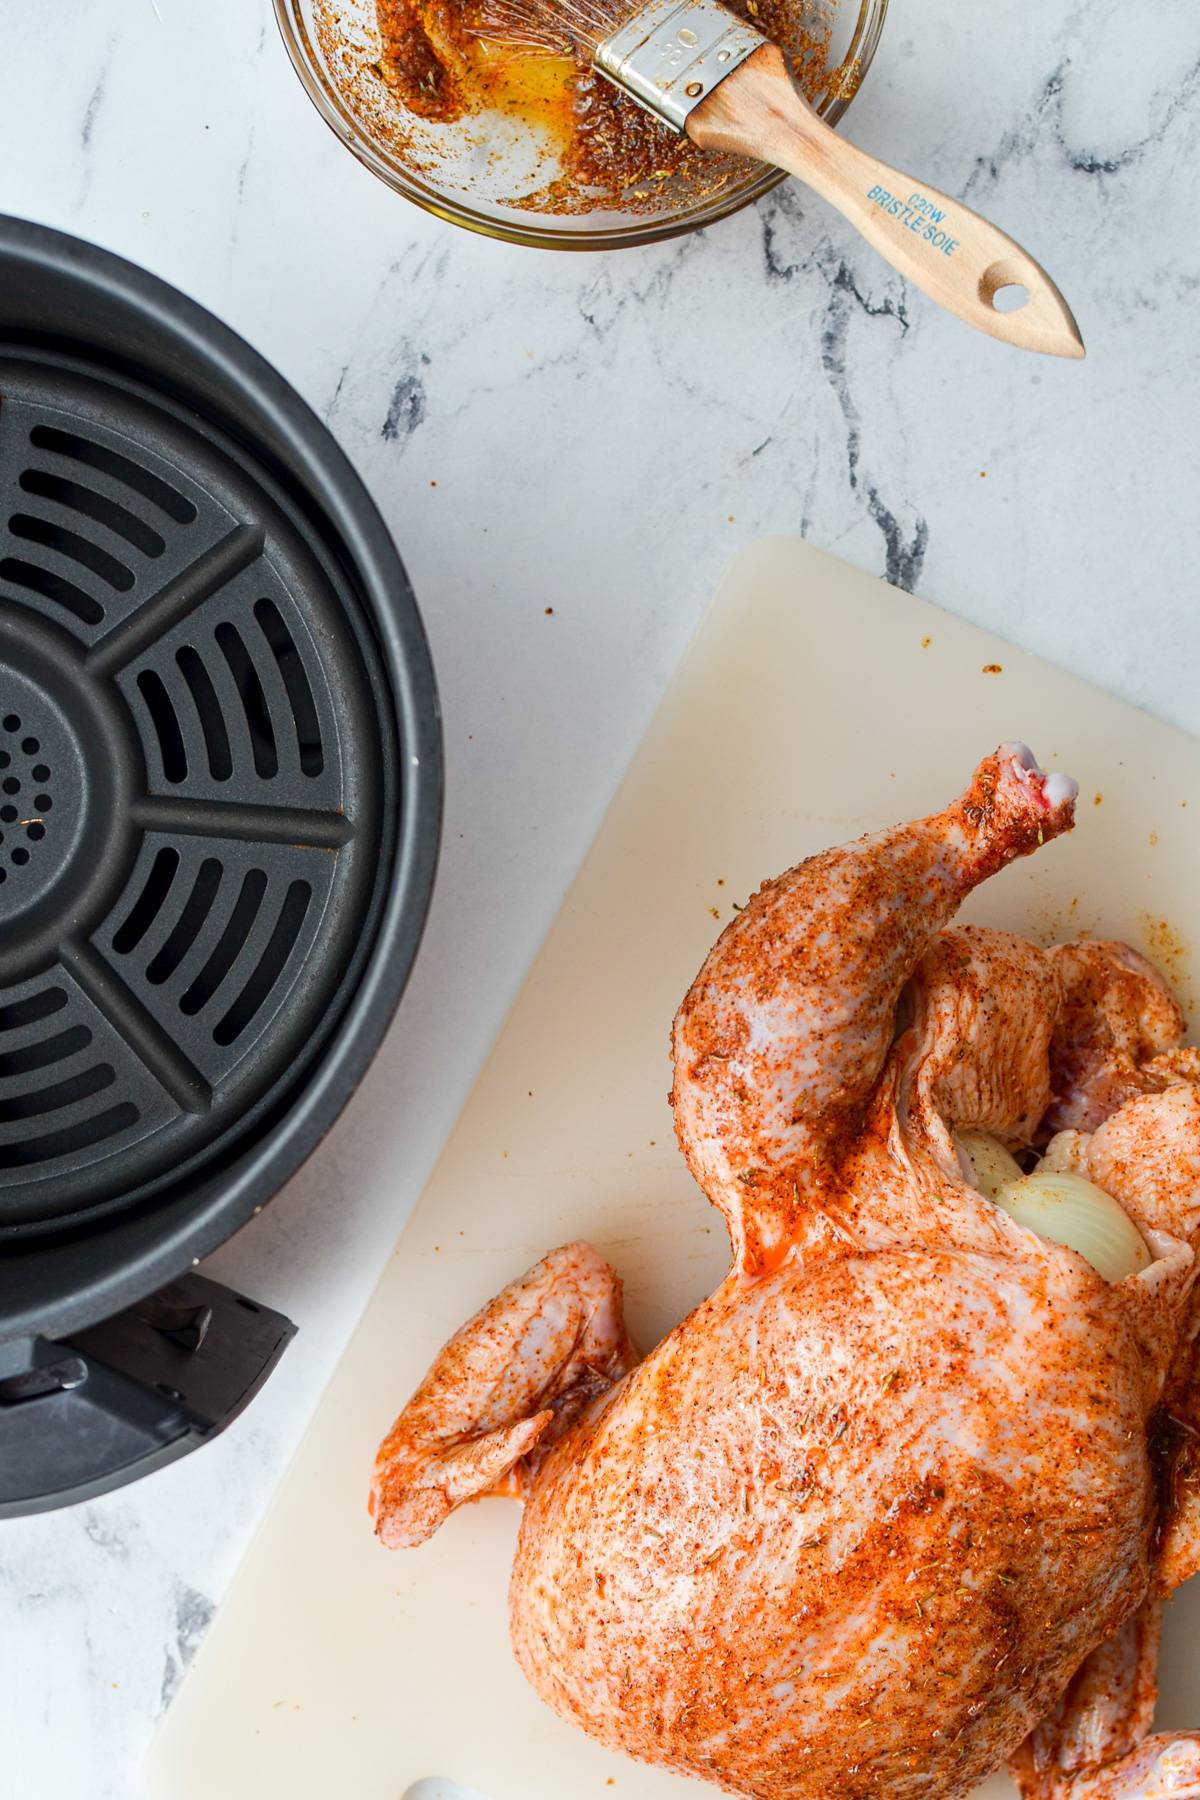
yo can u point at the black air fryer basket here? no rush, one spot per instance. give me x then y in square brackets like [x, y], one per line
[220, 790]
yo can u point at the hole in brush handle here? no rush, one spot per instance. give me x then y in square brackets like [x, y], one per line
[1011, 297]
[1004, 286]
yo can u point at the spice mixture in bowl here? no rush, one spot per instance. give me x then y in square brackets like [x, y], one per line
[537, 148]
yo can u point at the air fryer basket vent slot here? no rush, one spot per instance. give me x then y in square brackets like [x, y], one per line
[74, 497]
[165, 719]
[191, 793]
[124, 472]
[190, 923]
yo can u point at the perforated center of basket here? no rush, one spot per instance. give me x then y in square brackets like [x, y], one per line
[27, 787]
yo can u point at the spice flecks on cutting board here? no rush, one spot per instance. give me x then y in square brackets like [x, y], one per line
[1172, 952]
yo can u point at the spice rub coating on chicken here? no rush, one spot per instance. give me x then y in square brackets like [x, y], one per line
[900, 1501]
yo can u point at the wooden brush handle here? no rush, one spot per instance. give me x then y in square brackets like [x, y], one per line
[953, 255]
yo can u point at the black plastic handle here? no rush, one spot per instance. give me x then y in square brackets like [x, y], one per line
[108, 1405]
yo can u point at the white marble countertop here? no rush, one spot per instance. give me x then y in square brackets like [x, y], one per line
[597, 435]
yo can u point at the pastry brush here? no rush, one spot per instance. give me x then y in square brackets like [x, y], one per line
[704, 71]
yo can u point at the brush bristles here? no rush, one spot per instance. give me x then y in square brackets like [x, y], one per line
[551, 27]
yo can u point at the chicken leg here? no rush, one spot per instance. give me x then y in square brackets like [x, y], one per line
[783, 1034]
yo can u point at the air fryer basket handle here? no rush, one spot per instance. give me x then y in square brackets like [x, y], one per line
[109, 1404]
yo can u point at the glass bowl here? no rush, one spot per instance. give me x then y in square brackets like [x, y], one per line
[474, 171]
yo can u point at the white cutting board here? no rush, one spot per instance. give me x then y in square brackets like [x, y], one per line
[815, 704]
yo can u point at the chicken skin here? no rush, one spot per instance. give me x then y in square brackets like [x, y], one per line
[900, 1501]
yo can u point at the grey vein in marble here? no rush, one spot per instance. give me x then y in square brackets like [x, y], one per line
[406, 408]
[192, 1612]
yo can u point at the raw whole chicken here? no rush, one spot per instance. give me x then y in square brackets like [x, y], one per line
[901, 1501]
